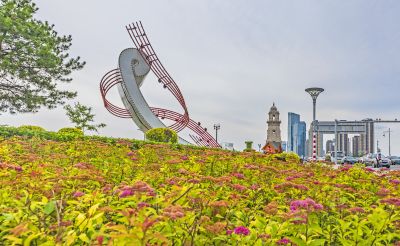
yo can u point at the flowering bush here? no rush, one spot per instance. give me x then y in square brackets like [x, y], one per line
[86, 191]
[162, 135]
[32, 128]
[70, 132]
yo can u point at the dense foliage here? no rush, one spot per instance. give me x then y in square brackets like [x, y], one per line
[162, 135]
[70, 132]
[31, 128]
[33, 58]
[93, 192]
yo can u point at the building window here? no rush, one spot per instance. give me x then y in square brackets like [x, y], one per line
[273, 117]
[273, 131]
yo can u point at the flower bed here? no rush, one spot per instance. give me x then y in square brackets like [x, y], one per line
[85, 191]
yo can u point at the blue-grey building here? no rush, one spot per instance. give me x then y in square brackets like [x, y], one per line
[284, 146]
[296, 135]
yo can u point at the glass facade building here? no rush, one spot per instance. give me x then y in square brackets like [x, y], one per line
[296, 135]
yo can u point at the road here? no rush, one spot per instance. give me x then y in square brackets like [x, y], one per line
[392, 167]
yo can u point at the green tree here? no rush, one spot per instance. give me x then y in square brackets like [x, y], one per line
[82, 117]
[33, 59]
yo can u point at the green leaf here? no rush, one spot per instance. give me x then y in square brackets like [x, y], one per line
[84, 238]
[49, 207]
[29, 239]
[317, 242]
[93, 209]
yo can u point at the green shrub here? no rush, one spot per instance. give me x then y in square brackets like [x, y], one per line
[32, 128]
[70, 133]
[249, 146]
[162, 135]
[328, 158]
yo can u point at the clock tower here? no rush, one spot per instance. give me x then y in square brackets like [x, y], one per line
[274, 141]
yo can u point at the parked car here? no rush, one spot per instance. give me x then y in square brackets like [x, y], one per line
[376, 160]
[395, 160]
[339, 157]
[349, 160]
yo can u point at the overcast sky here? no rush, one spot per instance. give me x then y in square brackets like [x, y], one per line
[233, 59]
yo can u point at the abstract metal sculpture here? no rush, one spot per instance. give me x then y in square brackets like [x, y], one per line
[134, 65]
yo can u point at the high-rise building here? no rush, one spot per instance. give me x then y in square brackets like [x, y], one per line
[292, 120]
[284, 146]
[343, 143]
[330, 146]
[296, 135]
[356, 146]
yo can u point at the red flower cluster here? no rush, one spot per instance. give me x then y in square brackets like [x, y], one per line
[174, 212]
[138, 187]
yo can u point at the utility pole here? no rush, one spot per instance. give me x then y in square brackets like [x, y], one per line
[388, 131]
[216, 128]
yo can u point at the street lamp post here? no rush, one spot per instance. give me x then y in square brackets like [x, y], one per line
[336, 141]
[314, 92]
[388, 131]
[377, 146]
[216, 128]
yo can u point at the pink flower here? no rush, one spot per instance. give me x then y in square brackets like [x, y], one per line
[283, 241]
[250, 166]
[142, 205]
[78, 194]
[368, 169]
[130, 154]
[184, 158]
[290, 178]
[391, 201]
[229, 232]
[100, 240]
[308, 204]
[194, 181]
[125, 193]
[254, 186]
[107, 188]
[241, 230]
[264, 236]
[18, 168]
[182, 171]
[301, 187]
[239, 187]
[395, 181]
[81, 165]
[356, 210]
[238, 175]
[174, 212]
[383, 192]
[138, 187]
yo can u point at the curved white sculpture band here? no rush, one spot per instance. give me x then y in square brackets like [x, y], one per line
[133, 70]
